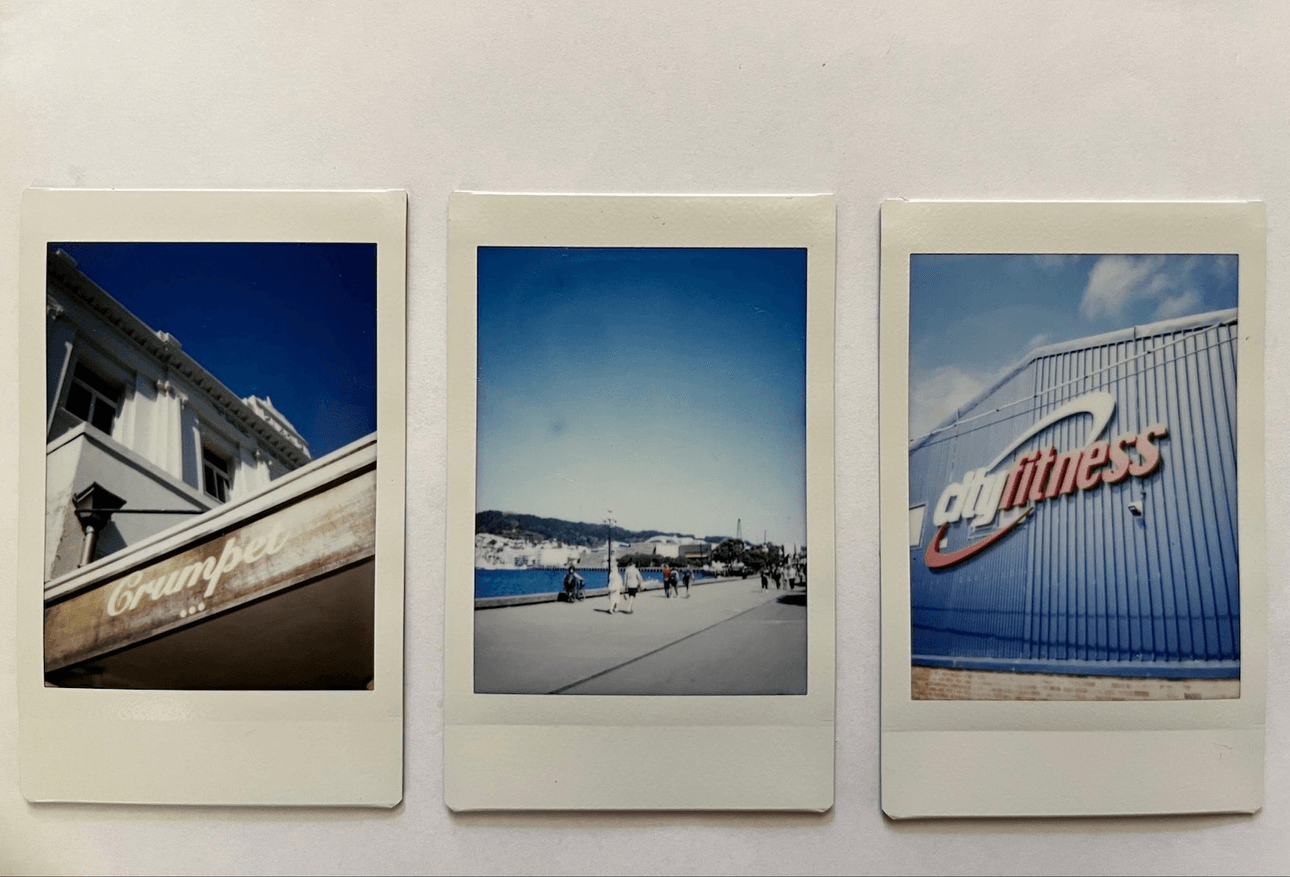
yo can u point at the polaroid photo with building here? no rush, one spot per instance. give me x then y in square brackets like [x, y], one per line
[640, 546]
[212, 552]
[1072, 403]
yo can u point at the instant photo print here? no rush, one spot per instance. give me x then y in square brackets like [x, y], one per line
[640, 576]
[1074, 619]
[211, 573]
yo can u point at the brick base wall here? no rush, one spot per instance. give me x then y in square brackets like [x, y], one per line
[940, 683]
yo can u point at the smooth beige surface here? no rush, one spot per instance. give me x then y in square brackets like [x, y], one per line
[1071, 773]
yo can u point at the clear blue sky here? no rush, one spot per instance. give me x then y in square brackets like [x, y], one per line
[295, 322]
[972, 316]
[666, 384]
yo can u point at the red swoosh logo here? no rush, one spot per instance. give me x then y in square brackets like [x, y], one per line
[936, 560]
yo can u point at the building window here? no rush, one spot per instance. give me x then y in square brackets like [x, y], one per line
[215, 475]
[93, 399]
[916, 525]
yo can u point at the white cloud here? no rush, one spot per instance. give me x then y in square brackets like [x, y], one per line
[1051, 263]
[1224, 266]
[1186, 302]
[1171, 282]
[1115, 281]
[936, 395]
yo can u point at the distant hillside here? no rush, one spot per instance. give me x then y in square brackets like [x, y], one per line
[532, 528]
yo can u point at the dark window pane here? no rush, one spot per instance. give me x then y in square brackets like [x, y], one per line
[78, 401]
[215, 480]
[95, 382]
[104, 414]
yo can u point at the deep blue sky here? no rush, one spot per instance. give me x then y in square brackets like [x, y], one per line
[295, 322]
[666, 384]
[972, 316]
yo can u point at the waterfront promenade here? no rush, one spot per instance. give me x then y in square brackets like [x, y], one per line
[728, 637]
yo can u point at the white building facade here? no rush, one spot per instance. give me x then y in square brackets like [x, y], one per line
[129, 411]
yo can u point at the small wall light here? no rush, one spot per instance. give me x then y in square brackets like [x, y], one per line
[94, 507]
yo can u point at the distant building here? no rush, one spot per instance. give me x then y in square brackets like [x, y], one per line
[499, 552]
[659, 546]
[689, 548]
[598, 557]
[696, 552]
[554, 555]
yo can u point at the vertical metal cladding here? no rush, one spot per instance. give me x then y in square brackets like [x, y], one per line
[1085, 584]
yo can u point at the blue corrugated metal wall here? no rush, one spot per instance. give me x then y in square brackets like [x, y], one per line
[1084, 580]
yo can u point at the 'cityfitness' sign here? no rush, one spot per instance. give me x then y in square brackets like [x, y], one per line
[1040, 475]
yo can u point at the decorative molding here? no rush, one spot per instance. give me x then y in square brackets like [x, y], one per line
[166, 387]
[167, 351]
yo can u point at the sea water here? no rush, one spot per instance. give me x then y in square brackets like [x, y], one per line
[509, 582]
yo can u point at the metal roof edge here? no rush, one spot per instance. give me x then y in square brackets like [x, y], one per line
[1129, 333]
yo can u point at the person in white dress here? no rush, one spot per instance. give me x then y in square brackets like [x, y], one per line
[615, 586]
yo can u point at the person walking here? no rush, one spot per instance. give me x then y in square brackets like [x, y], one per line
[615, 586]
[632, 583]
[686, 577]
[667, 579]
[765, 581]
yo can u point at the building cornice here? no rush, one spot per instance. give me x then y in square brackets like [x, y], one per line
[167, 352]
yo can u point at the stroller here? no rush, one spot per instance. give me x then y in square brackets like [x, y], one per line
[573, 586]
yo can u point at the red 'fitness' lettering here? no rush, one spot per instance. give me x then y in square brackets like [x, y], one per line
[1038, 476]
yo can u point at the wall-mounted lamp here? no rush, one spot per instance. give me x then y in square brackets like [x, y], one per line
[94, 507]
[1135, 508]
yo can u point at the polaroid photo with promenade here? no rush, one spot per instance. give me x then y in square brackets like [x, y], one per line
[211, 392]
[1079, 384]
[636, 546]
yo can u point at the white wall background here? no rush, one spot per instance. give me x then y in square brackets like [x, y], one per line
[1072, 100]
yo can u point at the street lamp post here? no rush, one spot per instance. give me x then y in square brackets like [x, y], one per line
[609, 545]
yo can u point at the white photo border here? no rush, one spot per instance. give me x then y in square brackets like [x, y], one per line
[1009, 758]
[561, 752]
[215, 747]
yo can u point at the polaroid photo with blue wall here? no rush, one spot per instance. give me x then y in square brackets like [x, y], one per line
[1071, 389]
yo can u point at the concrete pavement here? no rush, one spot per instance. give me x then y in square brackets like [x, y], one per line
[727, 637]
